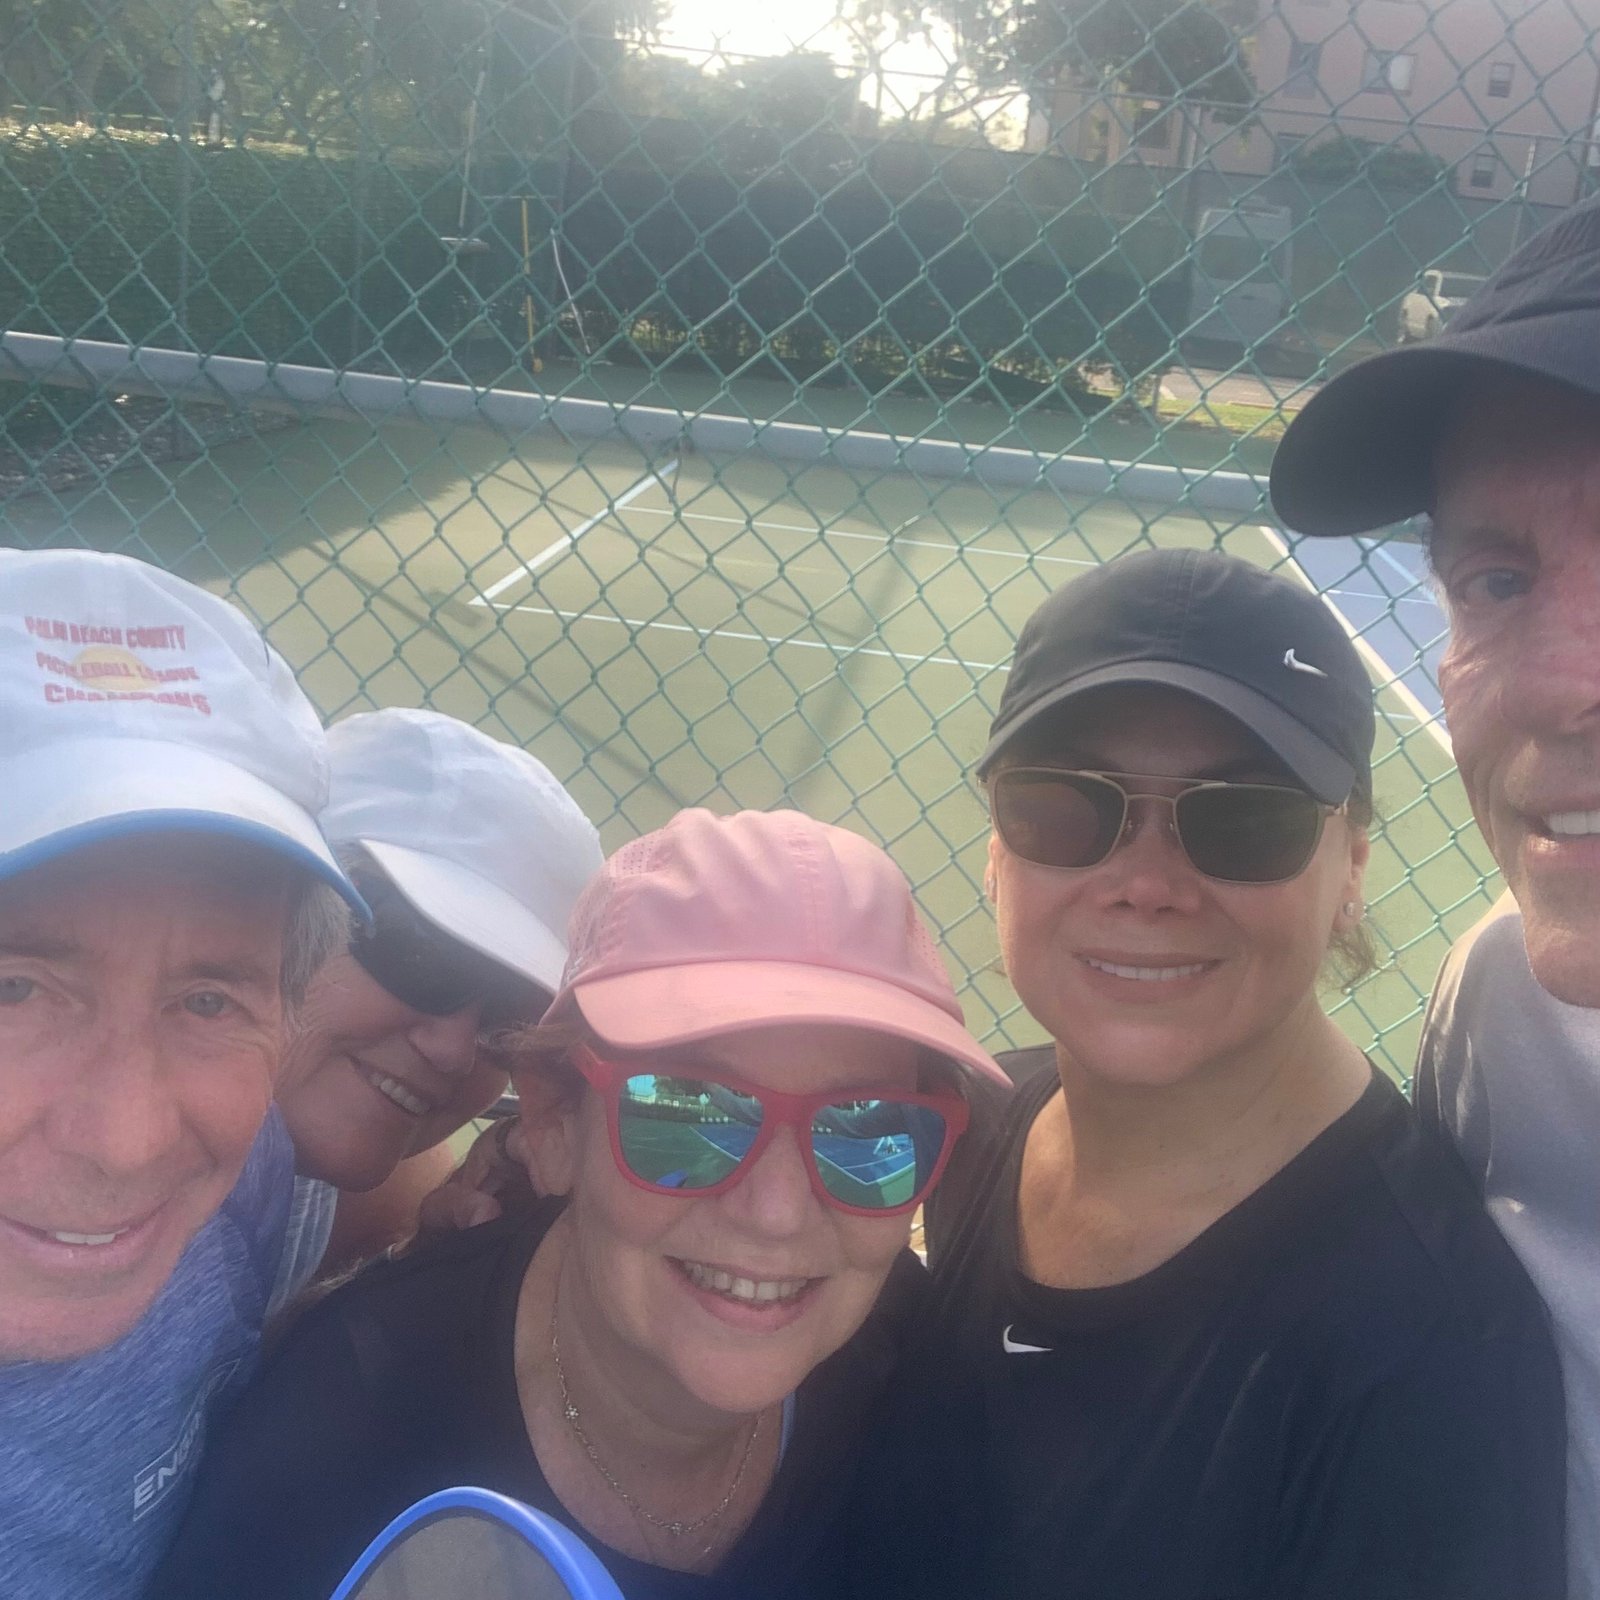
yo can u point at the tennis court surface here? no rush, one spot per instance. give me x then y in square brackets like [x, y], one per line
[669, 629]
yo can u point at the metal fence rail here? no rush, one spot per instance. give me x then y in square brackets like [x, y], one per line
[709, 413]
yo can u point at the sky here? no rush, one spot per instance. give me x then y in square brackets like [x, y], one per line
[774, 27]
[770, 28]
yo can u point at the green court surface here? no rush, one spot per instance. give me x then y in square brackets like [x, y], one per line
[666, 631]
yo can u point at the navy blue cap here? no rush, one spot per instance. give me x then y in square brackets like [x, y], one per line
[1360, 455]
[1263, 649]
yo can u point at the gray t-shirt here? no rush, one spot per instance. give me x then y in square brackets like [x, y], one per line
[98, 1456]
[1512, 1075]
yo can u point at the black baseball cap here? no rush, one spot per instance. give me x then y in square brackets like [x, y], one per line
[1360, 455]
[1263, 649]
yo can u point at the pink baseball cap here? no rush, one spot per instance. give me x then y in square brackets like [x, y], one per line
[715, 924]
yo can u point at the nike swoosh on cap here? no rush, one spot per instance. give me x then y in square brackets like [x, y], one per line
[1295, 664]
[1014, 1347]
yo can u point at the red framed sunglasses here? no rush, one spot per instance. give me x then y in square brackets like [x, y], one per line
[873, 1152]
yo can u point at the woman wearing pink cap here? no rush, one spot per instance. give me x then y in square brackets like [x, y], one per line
[746, 1084]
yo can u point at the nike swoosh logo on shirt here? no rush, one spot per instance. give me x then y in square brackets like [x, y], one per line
[1013, 1347]
[1295, 664]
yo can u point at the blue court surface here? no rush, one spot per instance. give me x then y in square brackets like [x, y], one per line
[1382, 592]
[863, 1163]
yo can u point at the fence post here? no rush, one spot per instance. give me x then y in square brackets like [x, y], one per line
[364, 158]
[188, 110]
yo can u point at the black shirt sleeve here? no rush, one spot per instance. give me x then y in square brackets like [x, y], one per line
[1448, 1484]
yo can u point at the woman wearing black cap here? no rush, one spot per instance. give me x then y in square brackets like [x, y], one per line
[1217, 1320]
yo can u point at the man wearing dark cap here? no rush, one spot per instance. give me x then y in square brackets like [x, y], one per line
[1493, 431]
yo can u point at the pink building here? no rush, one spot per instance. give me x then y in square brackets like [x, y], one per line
[1503, 91]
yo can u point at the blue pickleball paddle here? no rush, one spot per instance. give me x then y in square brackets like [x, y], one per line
[473, 1544]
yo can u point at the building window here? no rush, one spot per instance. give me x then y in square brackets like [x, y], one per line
[1152, 127]
[1484, 167]
[1500, 80]
[1300, 82]
[1389, 71]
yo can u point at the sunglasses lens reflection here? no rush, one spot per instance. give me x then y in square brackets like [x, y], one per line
[684, 1134]
[687, 1134]
[877, 1154]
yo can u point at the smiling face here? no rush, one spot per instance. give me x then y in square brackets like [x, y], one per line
[726, 1300]
[139, 1034]
[1516, 545]
[367, 1080]
[1144, 970]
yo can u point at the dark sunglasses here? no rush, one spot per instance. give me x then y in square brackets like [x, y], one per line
[1233, 832]
[871, 1152]
[424, 968]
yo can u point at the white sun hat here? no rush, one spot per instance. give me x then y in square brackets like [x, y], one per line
[135, 702]
[478, 835]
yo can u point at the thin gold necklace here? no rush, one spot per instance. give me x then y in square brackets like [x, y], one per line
[672, 1525]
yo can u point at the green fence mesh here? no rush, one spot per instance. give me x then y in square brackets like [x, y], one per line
[777, 361]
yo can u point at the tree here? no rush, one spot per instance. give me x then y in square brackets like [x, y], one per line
[1340, 157]
[313, 69]
[1162, 49]
[799, 91]
[81, 55]
[516, 67]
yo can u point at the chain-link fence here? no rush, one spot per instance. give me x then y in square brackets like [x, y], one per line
[703, 396]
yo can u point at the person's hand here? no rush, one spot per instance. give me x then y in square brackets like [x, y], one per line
[495, 1169]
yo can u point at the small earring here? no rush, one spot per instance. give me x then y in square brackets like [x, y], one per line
[1351, 910]
[988, 884]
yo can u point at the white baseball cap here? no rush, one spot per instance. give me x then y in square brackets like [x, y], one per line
[135, 702]
[476, 834]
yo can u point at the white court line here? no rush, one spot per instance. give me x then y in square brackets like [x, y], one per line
[969, 549]
[1386, 599]
[868, 538]
[573, 535]
[1387, 676]
[705, 635]
[1382, 552]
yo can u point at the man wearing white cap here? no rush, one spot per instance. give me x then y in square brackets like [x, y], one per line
[164, 895]
[470, 855]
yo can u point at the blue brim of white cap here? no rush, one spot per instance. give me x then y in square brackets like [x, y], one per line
[474, 912]
[85, 792]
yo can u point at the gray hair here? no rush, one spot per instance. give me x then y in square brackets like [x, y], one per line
[318, 924]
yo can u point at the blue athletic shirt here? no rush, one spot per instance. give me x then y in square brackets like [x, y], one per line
[98, 1456]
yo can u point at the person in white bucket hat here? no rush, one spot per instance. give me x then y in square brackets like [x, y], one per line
[165, 894]
[470, 854]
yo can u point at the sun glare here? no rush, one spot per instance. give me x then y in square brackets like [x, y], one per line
[899, 76]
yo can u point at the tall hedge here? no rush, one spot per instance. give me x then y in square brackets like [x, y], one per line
[812, 262]
[93, 230]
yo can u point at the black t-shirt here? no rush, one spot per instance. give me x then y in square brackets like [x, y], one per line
[1345, 1389]
[402, 1383]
